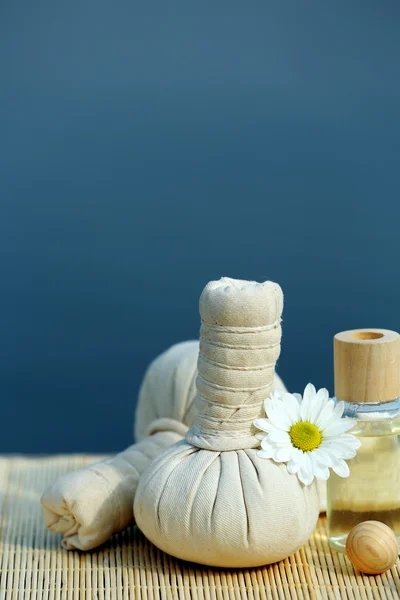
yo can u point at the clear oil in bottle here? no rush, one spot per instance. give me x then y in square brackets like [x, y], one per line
[372, 491]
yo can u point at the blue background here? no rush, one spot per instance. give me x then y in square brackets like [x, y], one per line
[146, 148]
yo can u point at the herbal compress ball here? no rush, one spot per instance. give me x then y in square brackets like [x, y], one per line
[210, 499]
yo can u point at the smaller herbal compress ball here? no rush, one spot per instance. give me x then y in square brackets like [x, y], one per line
[372, 547]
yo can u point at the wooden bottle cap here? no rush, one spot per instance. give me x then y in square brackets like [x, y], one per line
[367, 365]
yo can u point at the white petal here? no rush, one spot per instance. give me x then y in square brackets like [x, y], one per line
[323, 395]
[338, 427]
[323, 457]
[307, 463]
[279, 417]
[298, 455]
[284, 454]
[305, 476]
[298, 397]
[264, 424]
[341, 468]
[325, 415]
[293, 467]
[339, 443]
[264, 454]
[339, 409]
[338, 450]
[279, 437]
[305, 410]
[319, 402]
[277, 394]
[350, 421]
[321, 472]
[292, 407]
[309, 391]
[260, 435]
[306, 472]
[266, 445]
[272, 401]
[268, 403]
[350, 440]
[306, 405]
[296, 461]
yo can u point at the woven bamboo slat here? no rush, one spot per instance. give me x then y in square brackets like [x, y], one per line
[128, 567]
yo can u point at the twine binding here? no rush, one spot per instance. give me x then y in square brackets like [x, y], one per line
[226, 407]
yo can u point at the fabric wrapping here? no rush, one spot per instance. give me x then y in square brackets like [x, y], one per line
[89, 505]
[210, 499]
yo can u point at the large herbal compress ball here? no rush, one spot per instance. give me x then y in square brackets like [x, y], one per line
[210, 499]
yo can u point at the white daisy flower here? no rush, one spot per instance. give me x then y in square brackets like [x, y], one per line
[308, 433]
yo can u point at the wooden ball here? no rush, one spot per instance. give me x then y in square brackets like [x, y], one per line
[372, 547]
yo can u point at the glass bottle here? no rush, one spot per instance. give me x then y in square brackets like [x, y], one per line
[367, 379]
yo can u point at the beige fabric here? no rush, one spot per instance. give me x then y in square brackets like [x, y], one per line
[210, 499]
[168, 389]
[89, 505]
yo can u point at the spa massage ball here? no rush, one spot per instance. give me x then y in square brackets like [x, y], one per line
[372, 547]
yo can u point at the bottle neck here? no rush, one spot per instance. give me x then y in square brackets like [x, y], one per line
[372, 411]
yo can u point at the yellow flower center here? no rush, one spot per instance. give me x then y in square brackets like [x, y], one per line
[305, 436]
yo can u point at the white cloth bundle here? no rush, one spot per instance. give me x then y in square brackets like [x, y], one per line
[210, 499]
[90, 504]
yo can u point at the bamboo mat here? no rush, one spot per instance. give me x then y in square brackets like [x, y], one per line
[34, 566]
